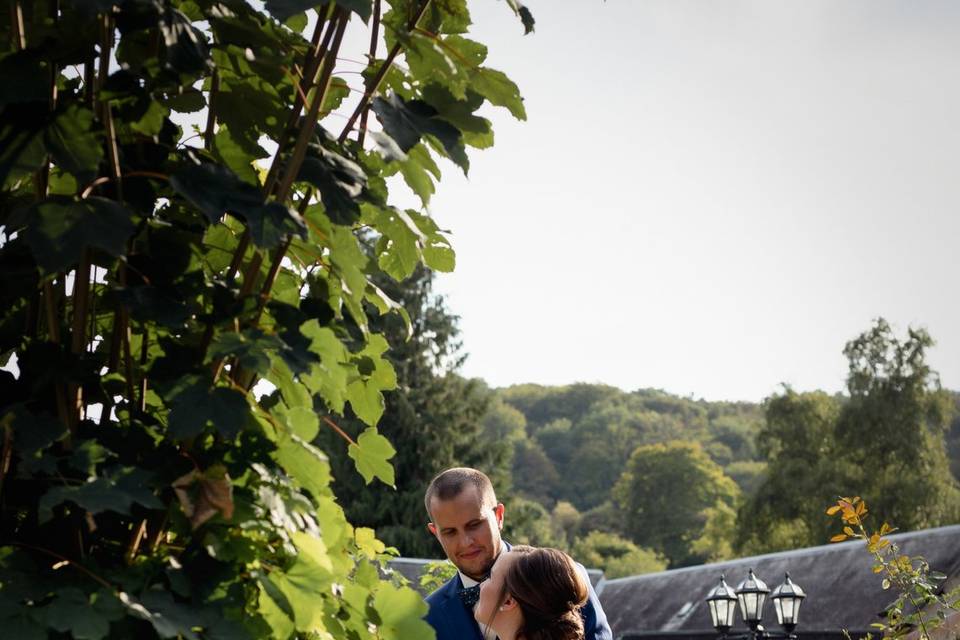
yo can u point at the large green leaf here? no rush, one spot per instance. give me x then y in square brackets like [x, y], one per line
[195, 406]
[305, 463]
[408, 121]
[60, 228]
[84, 616]
[215, 190]
[283, 9]
[500, 90]
[339, 180]
[114, 492]
[372, 454]
[401, 612]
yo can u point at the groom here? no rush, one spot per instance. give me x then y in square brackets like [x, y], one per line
[466, 519]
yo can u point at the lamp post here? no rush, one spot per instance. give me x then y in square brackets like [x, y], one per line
[750, 595]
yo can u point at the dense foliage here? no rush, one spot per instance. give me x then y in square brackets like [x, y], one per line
[886, 440]
[185, 306]
[432, 418]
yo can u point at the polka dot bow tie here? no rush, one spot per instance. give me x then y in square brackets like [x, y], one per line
[469, 596]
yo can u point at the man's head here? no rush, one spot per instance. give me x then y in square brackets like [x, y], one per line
[466, 519]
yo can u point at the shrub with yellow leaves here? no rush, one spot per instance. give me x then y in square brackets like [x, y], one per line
[921, 604]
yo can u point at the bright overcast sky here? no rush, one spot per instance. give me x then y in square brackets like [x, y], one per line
[710, 197]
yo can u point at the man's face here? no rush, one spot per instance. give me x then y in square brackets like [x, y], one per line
[468, 531]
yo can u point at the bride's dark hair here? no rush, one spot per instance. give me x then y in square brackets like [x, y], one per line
[550, 592]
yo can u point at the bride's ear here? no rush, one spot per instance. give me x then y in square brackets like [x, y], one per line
[509, 603]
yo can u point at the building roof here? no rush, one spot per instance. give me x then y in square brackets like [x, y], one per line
[842, 591]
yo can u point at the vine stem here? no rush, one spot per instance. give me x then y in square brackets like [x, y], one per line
[374, 85]
[374, 38]
[17, 34]
[340, 431]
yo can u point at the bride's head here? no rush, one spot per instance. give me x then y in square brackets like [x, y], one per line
[533, 594]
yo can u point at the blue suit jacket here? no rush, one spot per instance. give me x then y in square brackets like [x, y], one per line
[452, 621]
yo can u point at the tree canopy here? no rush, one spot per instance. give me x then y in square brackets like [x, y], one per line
[196, 232]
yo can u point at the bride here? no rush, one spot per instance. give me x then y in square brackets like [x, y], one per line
[533, 594]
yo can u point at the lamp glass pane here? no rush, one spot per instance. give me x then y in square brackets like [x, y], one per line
[760, 598]
[748, 606]
[796, 609]
[714, 613]
[731, 609]
[778, 605]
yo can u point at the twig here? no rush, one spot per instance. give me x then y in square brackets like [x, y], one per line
[336, 428]
[17, 33]
[64, 560]
[381, 74]
[374, 37]
[211, 111]
[135, 539]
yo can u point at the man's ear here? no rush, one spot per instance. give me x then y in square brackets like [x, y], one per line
[432, 528]
[498, 512]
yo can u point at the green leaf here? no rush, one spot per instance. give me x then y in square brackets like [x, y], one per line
[74, 147]
[215, 190]
[22, 151]
[88, 455]
[26, 78]
[371, 454]
[329, 378]
[283, 9]
[86, 617]
[401, 612]
[280, 623]
[252, 348]
[307, 582]
[339, 180]
[408, 121]
[32, 433]
[499, 90]
[115, 492]
[185, 49]
[305, 463]
[60, 228]
[196, 406]
[524, 14]
[416, 172]
[236, 157]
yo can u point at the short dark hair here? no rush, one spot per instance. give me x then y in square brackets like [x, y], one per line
[450, 483]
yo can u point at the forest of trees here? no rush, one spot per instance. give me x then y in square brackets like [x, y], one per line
[640, 481]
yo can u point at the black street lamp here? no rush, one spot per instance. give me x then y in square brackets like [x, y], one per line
[723, 606]
[786, 601]
[751, 595]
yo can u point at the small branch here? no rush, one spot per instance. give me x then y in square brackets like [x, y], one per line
[108, 179]
[135, 539]
[336, 428]
[211, 111]
[5, 454]
[63, 560]
[374, 38]
[17, 33]
[310, 67]
[144, 342]
[78, 333]
[306, 131]
[374, 85]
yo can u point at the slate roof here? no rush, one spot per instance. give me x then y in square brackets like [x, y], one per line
[842, 591]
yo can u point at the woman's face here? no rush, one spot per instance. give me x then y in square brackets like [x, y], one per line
[490, 589]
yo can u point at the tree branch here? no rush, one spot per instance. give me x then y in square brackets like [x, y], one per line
[374, 37]
[374, 86]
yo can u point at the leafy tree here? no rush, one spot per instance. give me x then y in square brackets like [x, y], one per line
[797, 441]
[886, 442]
[433, 418]
[153, 272]
[566, 521]
[892, 431]
[528, 522]
[665, 496]
[616, 556]
[534, 474]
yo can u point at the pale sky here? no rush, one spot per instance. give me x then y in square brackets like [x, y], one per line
[710, 197]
